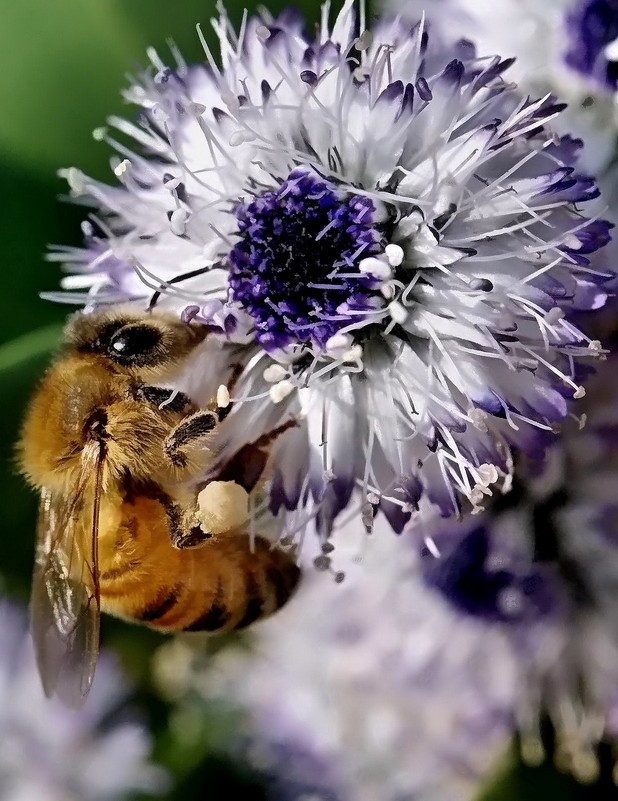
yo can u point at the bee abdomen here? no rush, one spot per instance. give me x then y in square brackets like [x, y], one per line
[216, 616]
[258, 585]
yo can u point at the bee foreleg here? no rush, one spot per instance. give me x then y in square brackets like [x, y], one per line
[186, 433]
[165, 398]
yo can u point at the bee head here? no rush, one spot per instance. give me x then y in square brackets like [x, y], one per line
[147, 343]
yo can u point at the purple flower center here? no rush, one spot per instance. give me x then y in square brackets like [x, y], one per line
[295, 268]
[591, 27]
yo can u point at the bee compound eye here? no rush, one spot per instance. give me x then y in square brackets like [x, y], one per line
[134, 344]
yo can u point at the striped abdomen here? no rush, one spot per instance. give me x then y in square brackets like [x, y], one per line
[218, 587]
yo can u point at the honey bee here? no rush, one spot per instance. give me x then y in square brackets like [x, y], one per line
[125, 526]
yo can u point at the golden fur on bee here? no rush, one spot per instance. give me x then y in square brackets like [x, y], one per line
[117, 459]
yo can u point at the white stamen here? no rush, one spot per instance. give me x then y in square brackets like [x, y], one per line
[74, 178]
[554, 315]
[398, 312]
[178, 221]
[121, 168]
[364, 41]
[80, 281]
[172, 183]
[376, 267]
[367, 517]
[99, 134]
[230, 100]
[281, 390]
[595, 346]
[274, 373]
[240, 137]
[172, 396]
[339, 344]
[373, 498]
[354, 354]
[579, 393]
[478, 418]
[223, 396]
[262, 33]
[611, 50]
[394, 254]
[488, 474]
[361, 74]
[432, 547]
[572, 242]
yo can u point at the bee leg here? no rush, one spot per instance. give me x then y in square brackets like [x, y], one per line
[192, 428]
[184, 529]
[165, 398]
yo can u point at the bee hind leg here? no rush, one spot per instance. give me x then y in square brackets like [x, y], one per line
[185, 531]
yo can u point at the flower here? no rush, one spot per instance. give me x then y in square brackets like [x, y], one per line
[565, 47]
[542, 563]
[51, 753]
[385, 237]
[442, 643]
[389, 696]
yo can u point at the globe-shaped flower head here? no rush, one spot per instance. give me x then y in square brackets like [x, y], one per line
[380, 232]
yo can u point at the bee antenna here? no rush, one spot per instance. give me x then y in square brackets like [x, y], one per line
[178, 278]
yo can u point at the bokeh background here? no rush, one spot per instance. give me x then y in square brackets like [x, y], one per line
[62, 67]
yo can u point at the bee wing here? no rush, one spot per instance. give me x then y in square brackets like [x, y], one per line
[65, 605]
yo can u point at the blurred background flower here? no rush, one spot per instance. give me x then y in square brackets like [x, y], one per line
[48, 752]
[454, 645]
[365, 702]
[564, 47]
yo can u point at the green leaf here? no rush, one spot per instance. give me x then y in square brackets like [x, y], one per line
[29, 346]
[517, 782]
[65, 63]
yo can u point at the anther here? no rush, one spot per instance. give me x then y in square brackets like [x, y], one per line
[274, 373]
[394, 254]
[322, 562]
[121, 168]
[281, 390]
[375, 267]
[223, 396]
[339, 344]
[554, 315]
[262, 33]
[178, 221]
[240, 137]
[364, 41]
[398, 312]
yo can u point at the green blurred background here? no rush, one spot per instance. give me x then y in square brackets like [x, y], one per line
[64, 63]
